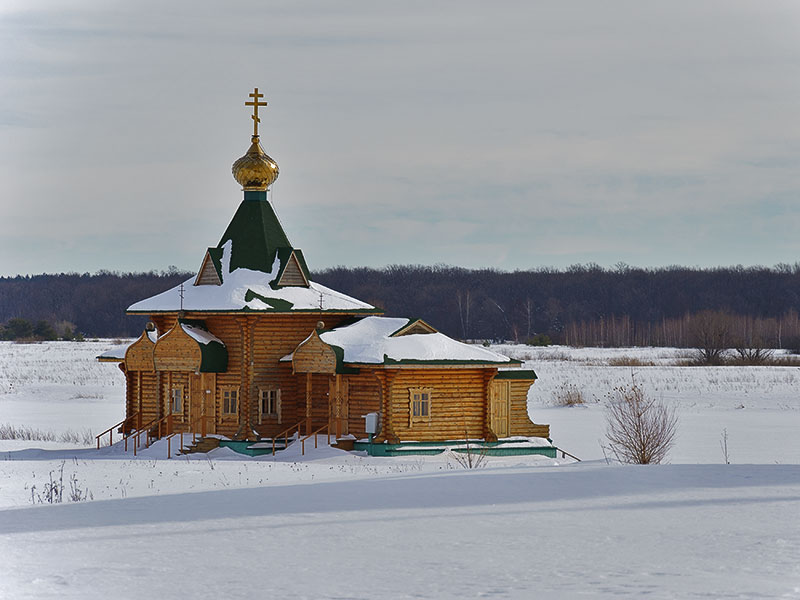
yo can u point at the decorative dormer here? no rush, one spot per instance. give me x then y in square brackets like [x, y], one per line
[210, 272]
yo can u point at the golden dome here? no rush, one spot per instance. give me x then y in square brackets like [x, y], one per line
[255, 171]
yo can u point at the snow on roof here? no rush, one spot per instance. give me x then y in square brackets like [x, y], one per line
[246, 289]
[116, 353]
[368, 341]
[201, 336]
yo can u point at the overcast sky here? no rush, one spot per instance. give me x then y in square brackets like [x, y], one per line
[510, 135]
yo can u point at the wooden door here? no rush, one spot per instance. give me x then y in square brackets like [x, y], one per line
[202, 401]
[339, 406]
[499, 395]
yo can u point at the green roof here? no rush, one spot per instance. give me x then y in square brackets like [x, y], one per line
[213, 354]
[526, 374]
[256, 235]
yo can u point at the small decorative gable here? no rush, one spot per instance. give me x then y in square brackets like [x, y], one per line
[210, 272]
[314, 356]
[291, 273]
[139, 355]
[414, 327]
[189, 346]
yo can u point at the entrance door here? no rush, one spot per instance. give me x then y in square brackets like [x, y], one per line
[202, 401]
[499, 394]
[339, 406]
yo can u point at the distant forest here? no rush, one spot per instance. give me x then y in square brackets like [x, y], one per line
[581, 305]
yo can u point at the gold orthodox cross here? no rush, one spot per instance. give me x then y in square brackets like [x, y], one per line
[255, 104]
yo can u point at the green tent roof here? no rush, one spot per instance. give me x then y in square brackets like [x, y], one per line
[256, 235]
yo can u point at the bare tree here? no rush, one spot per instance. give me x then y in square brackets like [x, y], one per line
[639, 428]
[464, 303]
[710, 334]
[750, 342]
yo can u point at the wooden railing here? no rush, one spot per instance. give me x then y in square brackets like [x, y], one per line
[564, 454]
[314, 435]
[203, 430]
[285, 434]
[169, 442]
[135, 434]
[110, 430]
[164, 426]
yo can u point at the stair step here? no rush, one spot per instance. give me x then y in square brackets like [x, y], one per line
[202, 445]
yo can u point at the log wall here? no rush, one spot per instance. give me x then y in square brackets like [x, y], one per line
[519, 421]
[364, 395]
[457, 404]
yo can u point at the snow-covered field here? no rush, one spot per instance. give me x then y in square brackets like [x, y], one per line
[338, 525]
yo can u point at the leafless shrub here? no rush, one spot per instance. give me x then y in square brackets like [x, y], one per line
[22, 432]
[76, 494]
[568, 394]
[639, 429]
[53, 490]
[558, 356]
[628, 361]
[470, 458]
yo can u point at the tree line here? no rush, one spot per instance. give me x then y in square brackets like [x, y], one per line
[584, 305]
[580, 305]
[89, 304]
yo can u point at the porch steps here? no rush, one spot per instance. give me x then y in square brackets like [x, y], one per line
[202, 445]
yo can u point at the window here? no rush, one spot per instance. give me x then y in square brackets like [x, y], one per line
[269, 404]
[177, 400]
[420, 405]
[230, 401]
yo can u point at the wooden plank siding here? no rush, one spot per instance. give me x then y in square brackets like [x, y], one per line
[139, 355]
[314, 356]
[177, 351]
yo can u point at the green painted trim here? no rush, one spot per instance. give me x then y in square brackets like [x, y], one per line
[255, 196]
[415, 361]
[521, 374]
[433, 448]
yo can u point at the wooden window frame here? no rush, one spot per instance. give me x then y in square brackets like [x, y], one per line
[425, 395]
[233, 392]
[275, 400]
[181, 396]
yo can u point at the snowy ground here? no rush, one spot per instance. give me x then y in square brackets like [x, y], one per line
[338, 525]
